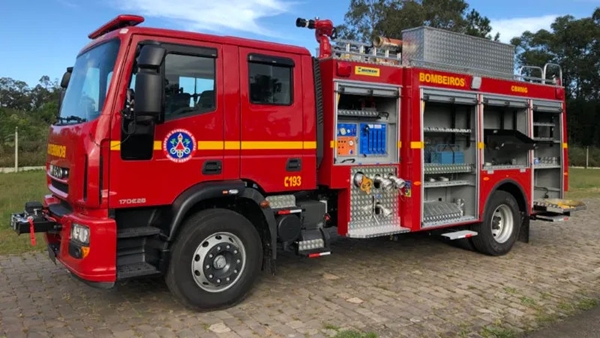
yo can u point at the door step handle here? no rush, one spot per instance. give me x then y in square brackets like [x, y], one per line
[212, 167]
[294, 164]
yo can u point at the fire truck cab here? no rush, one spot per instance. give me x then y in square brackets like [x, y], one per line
[200, 157]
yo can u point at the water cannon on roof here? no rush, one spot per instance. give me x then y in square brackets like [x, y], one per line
[324, 31]
[121, 21]
[385, 43]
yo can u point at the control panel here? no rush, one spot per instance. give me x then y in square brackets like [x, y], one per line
[346, 139]
[373, 139]
[366, 123]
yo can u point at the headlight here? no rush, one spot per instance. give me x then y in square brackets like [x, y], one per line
[80, 233]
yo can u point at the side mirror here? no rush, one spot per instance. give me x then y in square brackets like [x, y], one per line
[149, 83]
[64, 82]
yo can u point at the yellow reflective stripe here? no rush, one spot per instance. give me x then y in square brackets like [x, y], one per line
[255, 145]
[416, 145]
[236, 145]
[210, 145]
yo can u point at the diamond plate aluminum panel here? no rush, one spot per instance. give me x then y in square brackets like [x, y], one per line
[441, 49]
[282, 201]
[364, 221]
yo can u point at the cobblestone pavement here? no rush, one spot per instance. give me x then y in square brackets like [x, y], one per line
[415, 287]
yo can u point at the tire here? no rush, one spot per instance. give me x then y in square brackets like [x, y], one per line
[234, 251]
[497, 239]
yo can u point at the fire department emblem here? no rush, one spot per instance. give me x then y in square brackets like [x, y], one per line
[179, 145]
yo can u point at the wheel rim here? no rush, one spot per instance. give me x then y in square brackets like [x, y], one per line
[502, 223]
[218, 262]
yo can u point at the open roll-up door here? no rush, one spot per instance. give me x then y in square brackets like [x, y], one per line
[505, 101]
[366, 90]
[547, 106]
[450, 97]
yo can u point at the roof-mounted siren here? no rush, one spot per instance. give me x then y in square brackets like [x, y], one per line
[121, 21]
[324, 31]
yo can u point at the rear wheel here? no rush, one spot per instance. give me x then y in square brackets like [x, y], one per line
[499, 230]
[215, 260]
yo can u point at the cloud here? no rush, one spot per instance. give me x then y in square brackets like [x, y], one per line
[510, 28]
[210, 15]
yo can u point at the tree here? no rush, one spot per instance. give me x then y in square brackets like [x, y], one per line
[368, 18]
[574, 44]
[31, 110]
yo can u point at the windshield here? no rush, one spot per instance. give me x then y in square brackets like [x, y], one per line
[86, 92]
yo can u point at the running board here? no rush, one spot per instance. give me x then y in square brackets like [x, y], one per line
[460, 234]
[550, 217]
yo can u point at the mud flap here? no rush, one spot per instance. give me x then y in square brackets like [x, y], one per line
[524, 231]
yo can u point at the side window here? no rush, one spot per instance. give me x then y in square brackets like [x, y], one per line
[271, 80]
[190, 85]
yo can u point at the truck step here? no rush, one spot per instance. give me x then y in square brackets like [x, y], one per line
[137, 232]
[460, 234]
[551, 217]
[376, 231]
[139, 269]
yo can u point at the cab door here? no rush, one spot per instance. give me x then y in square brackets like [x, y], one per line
[154, 167]
[273, 151]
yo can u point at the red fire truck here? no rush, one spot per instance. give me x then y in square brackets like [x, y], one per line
[200, 157]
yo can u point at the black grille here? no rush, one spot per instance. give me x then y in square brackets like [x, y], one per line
[60, 186]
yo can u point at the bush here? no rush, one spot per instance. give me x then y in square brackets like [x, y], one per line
[577, 156]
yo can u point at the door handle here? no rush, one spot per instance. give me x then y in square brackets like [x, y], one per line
[212, 167]
[294, 164]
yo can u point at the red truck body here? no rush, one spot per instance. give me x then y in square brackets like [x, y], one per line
[143, 182]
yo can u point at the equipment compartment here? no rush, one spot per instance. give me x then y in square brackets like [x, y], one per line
[367, 124]
[506, 130]
[450, 158]
[548, 155]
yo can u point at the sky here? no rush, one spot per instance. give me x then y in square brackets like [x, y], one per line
[43, 37]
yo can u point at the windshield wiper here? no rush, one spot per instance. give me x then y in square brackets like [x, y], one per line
[74, 118]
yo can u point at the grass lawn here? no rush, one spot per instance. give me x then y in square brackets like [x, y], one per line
[16, 189]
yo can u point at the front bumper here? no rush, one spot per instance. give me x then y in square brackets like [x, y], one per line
[93, 263]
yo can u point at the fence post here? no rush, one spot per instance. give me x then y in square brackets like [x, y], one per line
[587, 156]
[16, 149]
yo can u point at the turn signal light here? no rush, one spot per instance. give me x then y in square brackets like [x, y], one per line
[343, 69]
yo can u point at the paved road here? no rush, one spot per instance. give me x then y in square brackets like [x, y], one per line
[415, 287]
[585, 325]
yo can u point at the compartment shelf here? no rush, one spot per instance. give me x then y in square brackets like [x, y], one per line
[544, 124]
[546, 140]
[452, 183]
[504, 167]
[358, 113]
[546, 188]
[546, 166]
[447, 130]
[434, 168]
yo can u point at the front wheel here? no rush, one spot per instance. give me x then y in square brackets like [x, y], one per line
[501, 224]
[215, 261]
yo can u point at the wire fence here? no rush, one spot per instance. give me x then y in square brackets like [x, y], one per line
[18, 156]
